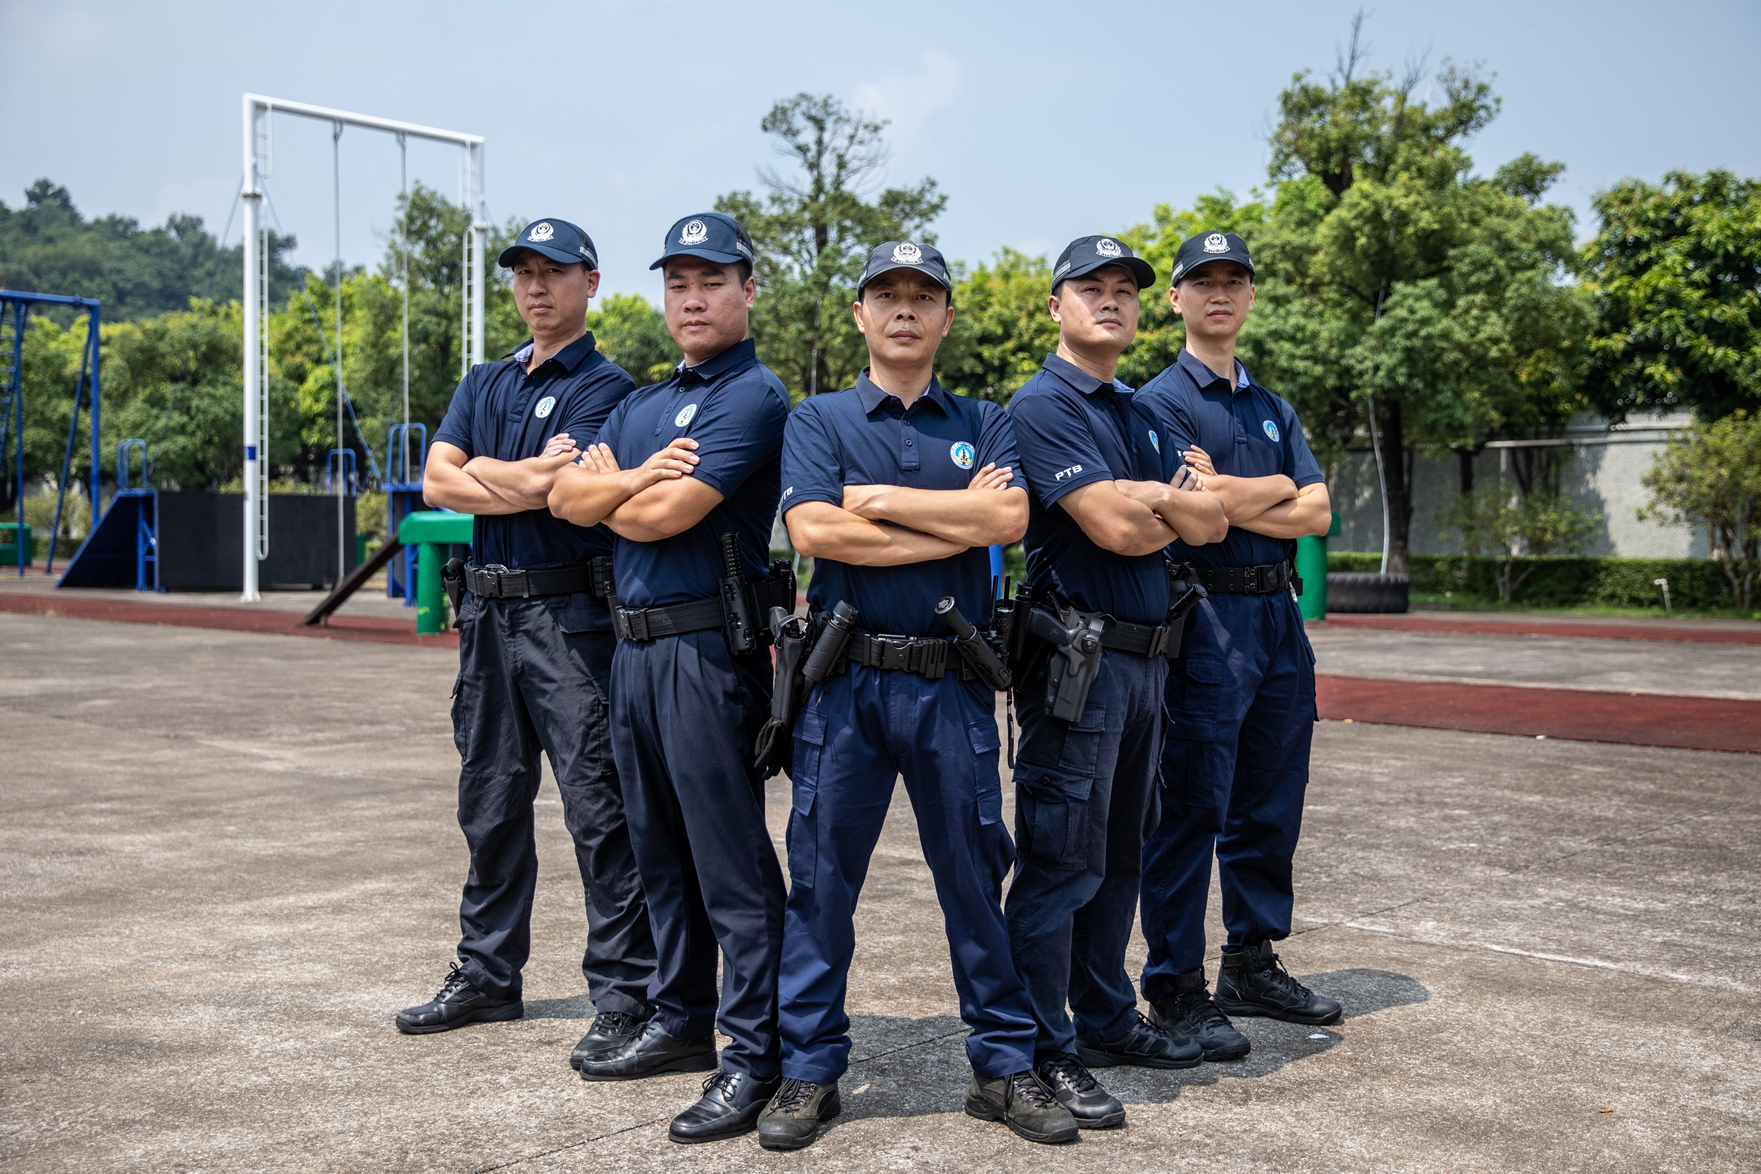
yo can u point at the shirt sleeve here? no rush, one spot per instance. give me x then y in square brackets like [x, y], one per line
[592, 403]
[455, 426]
[1299, 463]
[1057, 448]
[614, 423]
[813, 464]
[996, 444]
[1178, 431]
[738, 430]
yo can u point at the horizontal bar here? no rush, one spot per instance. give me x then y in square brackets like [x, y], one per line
[13, 295]
[326, 114]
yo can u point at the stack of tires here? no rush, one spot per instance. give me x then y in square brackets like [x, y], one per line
[1356, 591]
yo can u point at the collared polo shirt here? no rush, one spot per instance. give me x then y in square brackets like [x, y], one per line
[502, 412]
[1247, 430]
[866, 436]
[734, 408]
[1073, 429]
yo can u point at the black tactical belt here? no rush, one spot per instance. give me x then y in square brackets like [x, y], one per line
[1140, 639]
[1245, 580]
[924, 655]
[497, 582]
[699, 615]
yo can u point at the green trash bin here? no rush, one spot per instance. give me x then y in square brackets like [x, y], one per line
[1311, 568]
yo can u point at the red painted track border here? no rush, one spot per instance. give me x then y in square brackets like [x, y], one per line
[1645, 719]
[369, 629]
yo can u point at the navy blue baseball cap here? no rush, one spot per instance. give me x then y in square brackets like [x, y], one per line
[1085, 254]
[709, 235]
[1206, 247]
[905, 255]
[557, 239]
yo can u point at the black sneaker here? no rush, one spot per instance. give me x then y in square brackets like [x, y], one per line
[649, 1052]
[730, 1106]
[1190, 1012]
[457, 1004]
[792, 1119]
[1251, 982]
[1092, 1106]
[1022, 1103]
[1144, 1045]
[610, 1030]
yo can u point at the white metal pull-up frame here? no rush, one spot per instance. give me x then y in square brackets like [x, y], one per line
[258, 152]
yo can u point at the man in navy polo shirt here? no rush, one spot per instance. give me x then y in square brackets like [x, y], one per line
[680, 465]
[896, 488]
[1107, 495]
[1241, 697]
[535, 649]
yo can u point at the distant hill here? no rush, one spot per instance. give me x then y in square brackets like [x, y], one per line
[48, 247]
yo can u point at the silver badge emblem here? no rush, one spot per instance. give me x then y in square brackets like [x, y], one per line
[962, 454]
[1216, 243]
[544, 406]
[1107, 247]
[695, 233]
[542, 231]
[907, 254]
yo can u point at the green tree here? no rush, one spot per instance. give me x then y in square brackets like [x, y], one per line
[633, 335]
[1002, 331]
[813, 231]
[1492, 520]
[1425, 303]
[1712, 478]
[1676, 275]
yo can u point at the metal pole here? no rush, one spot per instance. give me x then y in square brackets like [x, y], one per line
[403, 147]
[252, 196]
[336, 193]
[18, 320]
[479, 245]
[97, 353]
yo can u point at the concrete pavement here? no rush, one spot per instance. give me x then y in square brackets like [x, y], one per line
[232, 857]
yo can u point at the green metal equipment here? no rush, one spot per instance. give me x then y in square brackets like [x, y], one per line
[429, 532]
[1311, 568]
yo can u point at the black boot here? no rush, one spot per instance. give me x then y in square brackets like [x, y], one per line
[457, 1004]
[1143, 1045]
[1251, 982]
[792, 1119]
[650, 1051]
[1077, 1090]
[1190, 1012]
[730, 1106]
[611, 1030]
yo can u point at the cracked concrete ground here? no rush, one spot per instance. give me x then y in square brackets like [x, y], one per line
[231, 857]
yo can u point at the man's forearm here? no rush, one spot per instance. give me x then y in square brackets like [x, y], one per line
[1245, 498]
[526, 483]
[449, 487]
[825, 531]
[587, 498]
[1308, 514]
[968, 517]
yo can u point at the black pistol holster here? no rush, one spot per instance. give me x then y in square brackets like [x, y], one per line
[790, 634]
[735, 608]
[452, 581]
[1075, 641]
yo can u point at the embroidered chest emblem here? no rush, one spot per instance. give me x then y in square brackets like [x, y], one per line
[962, 454]
[544, 406]
[1271, 431]
[685, 416]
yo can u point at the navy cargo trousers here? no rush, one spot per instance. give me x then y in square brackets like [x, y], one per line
[1084, 800]
[533, 675]
[860, 730]
[685, 714]
[1235, 770]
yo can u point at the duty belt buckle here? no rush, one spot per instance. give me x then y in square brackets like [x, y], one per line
[1158, 640]
[895, 652]
[632, 624]
[491, 578]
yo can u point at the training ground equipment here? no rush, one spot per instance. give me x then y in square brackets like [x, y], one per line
[431, 535]
[258, 157]
[15, 308]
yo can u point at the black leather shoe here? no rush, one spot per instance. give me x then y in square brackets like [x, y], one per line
[730, 1106]
[1092, 1106]
[610, 1030]
[457, 1004]
[1144, 1045]
[1252, 982]
[1190, 1012]
[649, 1052]
[792, 1119]
[1022, 1103]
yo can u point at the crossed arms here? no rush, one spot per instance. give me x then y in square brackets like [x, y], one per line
[1272, 506]
[891, 525]
[481, 485]
[657, 499]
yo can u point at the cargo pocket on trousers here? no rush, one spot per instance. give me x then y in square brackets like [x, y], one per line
[1051, 817]
[1195, 685]
[986, 782]
[803, 836]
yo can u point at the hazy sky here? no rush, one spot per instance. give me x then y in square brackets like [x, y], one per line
[1041, 121]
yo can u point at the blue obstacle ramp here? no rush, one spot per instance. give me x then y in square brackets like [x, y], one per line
[123, 550]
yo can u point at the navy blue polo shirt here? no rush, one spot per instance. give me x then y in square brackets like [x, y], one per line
[501, 412]
[866, 436]
[735, 409]
[1073, 429]
[1248, 431]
